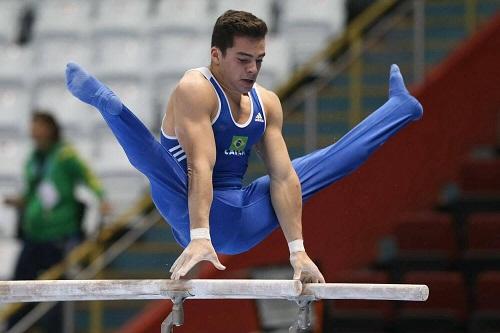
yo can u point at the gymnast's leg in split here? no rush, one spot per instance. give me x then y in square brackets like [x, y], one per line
[168, 179]
[323, 167]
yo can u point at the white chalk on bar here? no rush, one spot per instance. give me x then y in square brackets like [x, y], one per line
[367, 291]
[80, 290]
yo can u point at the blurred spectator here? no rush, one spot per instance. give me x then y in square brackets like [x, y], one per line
[26, 21]
[50, 214]
[276, 13]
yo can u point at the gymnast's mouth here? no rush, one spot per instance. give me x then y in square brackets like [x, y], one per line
[248, 81]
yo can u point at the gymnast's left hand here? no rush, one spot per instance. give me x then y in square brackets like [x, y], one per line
[305, 269]
[197, 250]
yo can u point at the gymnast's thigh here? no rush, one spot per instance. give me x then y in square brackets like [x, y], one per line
[258, 218]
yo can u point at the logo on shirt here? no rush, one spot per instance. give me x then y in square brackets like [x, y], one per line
[178, 153]
[258, 118]
[238, 144]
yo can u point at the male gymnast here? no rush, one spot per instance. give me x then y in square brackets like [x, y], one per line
[214, 117]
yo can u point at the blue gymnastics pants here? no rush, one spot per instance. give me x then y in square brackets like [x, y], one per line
[240, 218]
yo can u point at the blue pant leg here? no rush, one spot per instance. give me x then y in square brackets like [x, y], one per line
[144, 152]
[325, 166]
[258, 218]
[167, 178]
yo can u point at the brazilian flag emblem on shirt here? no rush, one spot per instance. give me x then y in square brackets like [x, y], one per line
[238, 143]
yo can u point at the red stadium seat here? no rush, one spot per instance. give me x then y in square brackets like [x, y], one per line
[481, 176]
[483, 251]
[486, 315]
[444, 311]
[358, 315]
[484, 231]
[488, 291]
[425, 240]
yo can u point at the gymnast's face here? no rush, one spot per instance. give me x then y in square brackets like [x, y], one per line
[241, 64]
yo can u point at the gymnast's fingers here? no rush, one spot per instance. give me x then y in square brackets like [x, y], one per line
[315, 275]
[297, 273]
[175, 271]
[186, 266]
[176, 262]
[215, 261]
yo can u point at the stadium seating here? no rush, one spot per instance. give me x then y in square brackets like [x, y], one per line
[10, 249]
[483, 250]
[444, 311]
[77, 118]
[486, 315]
[10, 11]
[481, 175]
[121, 15]
[52, 53]
[425, 240]
[308, 25]
[62, 16]
[14, 105]
[15, 61]
[358, 315]
[188, 16]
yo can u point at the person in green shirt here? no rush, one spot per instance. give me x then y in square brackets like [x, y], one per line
[50, 214]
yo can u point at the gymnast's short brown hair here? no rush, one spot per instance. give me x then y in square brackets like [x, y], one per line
[236, 23]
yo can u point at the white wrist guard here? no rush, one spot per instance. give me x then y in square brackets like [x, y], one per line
[200, 233]
[296, 246]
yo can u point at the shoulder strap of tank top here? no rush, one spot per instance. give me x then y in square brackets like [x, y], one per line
[203, 70]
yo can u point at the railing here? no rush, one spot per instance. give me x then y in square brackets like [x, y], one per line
[91, 250]
[363, 33]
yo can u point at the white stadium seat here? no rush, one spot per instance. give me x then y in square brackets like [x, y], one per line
[276, 64]
[308, 25]
[122, 182]
[9, 15]
[163, 87]
[174, 54]
[191, 16]
[10, 249]
[14, 106]
[119, 53]
[54, 52]
[8, 218]
[63, 16]
[123, 189]
[16, 62]
[76, 117]
[14, 150]
[122, 15]
[134, 93]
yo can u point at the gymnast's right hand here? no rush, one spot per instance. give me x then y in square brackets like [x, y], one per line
[197, 250]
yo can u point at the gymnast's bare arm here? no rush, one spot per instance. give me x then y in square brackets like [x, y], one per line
[284, 186]
[189, 112]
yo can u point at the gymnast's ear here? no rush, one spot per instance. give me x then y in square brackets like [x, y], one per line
[215, 55]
